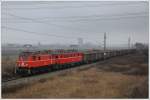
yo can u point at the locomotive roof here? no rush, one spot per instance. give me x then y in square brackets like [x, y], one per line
[49, 52]
[61, 51]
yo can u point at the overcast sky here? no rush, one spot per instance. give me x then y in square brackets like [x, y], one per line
[64, 22]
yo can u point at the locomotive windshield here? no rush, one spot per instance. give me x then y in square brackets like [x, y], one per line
[24, 55]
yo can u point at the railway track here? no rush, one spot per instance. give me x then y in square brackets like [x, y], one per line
[10, 79]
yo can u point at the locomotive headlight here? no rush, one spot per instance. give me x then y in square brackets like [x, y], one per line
[104, 53]
[22, 64]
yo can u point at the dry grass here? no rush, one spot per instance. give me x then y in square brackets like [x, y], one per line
[94, 82]
[88, 84]
[8, 66]
[140, 90]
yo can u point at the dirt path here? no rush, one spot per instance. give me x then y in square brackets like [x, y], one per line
[119, 77]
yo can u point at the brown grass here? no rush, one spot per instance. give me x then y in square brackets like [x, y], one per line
[91, 84]
[8, 66]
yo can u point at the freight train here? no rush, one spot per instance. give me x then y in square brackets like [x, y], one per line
[40, 61]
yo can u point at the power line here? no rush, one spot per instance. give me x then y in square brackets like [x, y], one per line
[77, 2]
[88, 20]
[103, 15]
[115, 17]
[70, 6]
[33, 20]
[41, 22]
[123, 14]
[36, 33]
[107, 19]
[46, 34]
[43, 34]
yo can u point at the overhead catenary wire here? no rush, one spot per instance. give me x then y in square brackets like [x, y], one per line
[46, 24]
[81, 19]
[97, 18]
[42, 23]
[51, 24]
[108, 19]
[24, 3]
[76, 6]
[37, 33]
[44, 34]
[33, 19]
[89, 16]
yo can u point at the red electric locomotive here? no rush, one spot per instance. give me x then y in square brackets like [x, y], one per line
[33, 62]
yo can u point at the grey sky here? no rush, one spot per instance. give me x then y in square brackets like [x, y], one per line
[63, 22]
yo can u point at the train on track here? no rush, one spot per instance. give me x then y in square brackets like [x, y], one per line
[40, 61]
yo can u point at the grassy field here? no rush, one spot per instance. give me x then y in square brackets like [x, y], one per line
[119, 77]
[8, 65]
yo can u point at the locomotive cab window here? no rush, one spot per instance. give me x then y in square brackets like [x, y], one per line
[56, 56]
[39, 58]
[34, 57]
